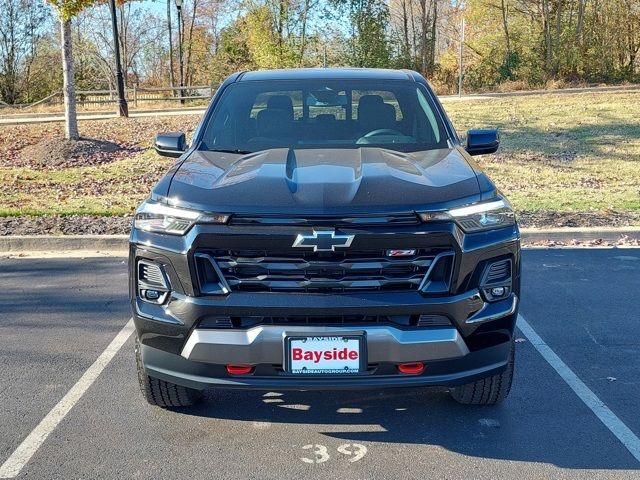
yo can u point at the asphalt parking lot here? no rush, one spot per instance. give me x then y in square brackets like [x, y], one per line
[57, 316]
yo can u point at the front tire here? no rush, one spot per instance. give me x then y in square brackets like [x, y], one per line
[160, 393]
[489, 390]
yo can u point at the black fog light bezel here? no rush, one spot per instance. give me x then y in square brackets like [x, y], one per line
[148, 290]
[487, 284]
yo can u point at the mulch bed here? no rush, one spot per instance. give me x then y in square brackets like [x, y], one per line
[68, 225]
[608, 218]
[57, 153]
[28, 145]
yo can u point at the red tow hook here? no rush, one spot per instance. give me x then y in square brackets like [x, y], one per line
[239, 369]
[414, 368]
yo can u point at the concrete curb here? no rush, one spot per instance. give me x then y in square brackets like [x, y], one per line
[42, 243]
[569, 234]
[49, 243]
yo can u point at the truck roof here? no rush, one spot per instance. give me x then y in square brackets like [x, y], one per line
[329, 73]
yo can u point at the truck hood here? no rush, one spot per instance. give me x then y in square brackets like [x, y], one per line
[324, 181]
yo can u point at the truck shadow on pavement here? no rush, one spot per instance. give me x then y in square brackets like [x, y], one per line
[521, 429]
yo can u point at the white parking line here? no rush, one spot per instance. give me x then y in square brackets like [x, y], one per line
[590, 399]
[30, 445]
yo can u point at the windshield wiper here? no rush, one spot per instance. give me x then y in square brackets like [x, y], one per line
[230, 150]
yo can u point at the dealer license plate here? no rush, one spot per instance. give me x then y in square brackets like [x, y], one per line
[328, 355]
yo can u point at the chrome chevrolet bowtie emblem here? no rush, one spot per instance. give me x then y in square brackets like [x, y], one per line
[323, 241]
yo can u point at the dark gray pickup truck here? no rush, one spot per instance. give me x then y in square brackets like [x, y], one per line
[325, 229]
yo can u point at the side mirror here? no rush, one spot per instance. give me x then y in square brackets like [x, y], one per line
[480, 142]
[171, 144]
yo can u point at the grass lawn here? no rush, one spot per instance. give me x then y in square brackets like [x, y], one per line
[564, 153]
[104, 189]
[567, 153]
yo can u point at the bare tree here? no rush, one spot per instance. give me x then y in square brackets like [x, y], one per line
[137, 31]
[23, 23]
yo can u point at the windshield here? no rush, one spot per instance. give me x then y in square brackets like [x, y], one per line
[259, 115]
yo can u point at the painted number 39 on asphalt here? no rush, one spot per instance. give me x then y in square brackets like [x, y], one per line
[321, 454]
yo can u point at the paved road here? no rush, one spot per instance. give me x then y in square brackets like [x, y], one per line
[58, 315]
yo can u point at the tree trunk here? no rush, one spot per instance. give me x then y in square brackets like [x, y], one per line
[556, 65]
[505, 26]
[548, 61]
[432, 40]
[282, 15]
[303, 33]
[580, 26]
[71, 120]
[405, 30]
[188, 67]
[424, 24]
[171, 79]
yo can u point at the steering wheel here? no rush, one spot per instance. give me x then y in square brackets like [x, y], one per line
[382, 131]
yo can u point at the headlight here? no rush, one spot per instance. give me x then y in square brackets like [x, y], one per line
[161, 218]
[477, 217]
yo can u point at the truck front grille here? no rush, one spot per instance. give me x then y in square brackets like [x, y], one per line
[263, 271]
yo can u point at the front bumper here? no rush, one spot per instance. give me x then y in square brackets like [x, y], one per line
[176, 348]
[448, 372]
[265, 344]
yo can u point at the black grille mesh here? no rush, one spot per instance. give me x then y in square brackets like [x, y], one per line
[255, 270]
[327, 320]
[433, 321]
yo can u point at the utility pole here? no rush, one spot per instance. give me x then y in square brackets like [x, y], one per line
[179, 7]
[461, 57]
[123, 108]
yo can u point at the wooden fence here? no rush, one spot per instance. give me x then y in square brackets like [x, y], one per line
[134, 95]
